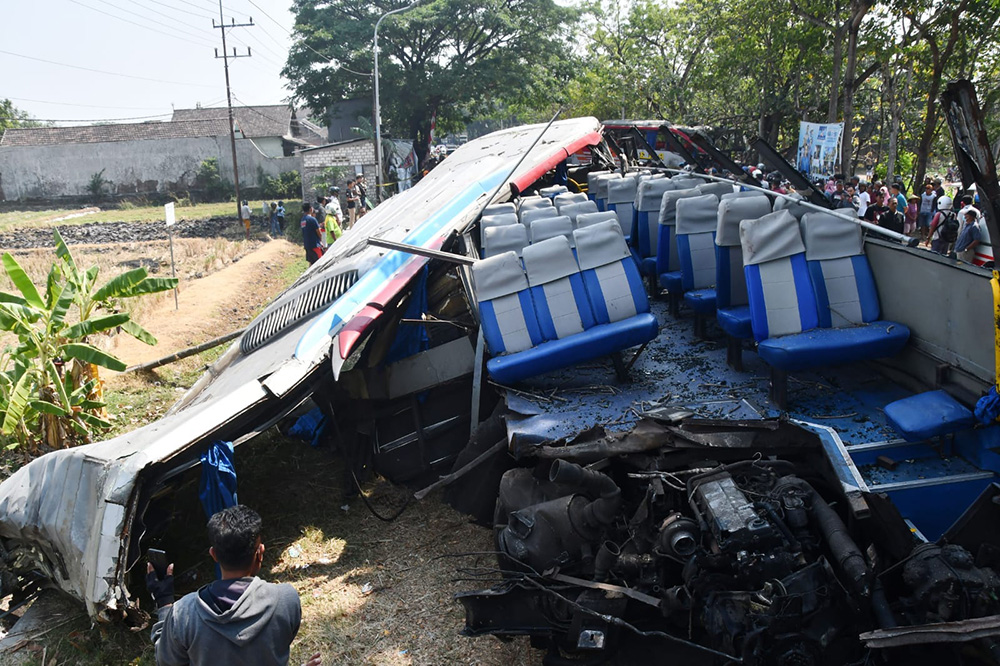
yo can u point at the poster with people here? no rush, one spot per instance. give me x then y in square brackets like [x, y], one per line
[819, 148]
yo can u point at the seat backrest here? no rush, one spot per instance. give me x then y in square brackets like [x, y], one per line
[529, 216]
[498, 220]
[567, 198]
[557, 290]
[697, 219]
[667, 259]
[600, 188]
[686, 182]
[506, 238]
[584, 220]
[506, 313]
[572, 211]
[552, 191]
[610, 275]
[550, 227]
[741, 194]
[621, 196]
[730, 281]
[842, 279]
[646, 227]
[592, 182]
[531, 203]
[499, 209]
[717, 188]
[778, 286]
[792, 206]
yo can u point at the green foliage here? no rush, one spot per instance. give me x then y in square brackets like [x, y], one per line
[210, 182]
[97, 184]
[331, 176]
[286, 185]
[49, 386]
[12, 117]
[449, 57]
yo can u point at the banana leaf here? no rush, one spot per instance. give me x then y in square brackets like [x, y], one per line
[62, 251]
[154, 285]
[95, 325]
[22, 281]
[17, 404]
[47, 407]
[90, 354]
[138, 332]
[121, 286]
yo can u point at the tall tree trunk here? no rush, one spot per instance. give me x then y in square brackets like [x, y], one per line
[858, 10]
[838, 57]
[897, 99]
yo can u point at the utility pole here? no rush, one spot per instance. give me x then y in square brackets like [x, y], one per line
[229, 97]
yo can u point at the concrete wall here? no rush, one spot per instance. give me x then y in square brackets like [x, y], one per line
[131, 167]
[350, 156]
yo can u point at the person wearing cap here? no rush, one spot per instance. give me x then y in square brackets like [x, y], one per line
[911, 215]
[333, 206]
[969, 236]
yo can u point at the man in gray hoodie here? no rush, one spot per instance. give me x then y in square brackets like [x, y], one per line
[239, 619]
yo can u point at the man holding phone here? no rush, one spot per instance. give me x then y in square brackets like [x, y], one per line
[237, 619]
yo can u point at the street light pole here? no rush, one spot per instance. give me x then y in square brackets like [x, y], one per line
[378, 109]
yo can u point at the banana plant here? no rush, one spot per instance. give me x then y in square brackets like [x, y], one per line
[52, 328]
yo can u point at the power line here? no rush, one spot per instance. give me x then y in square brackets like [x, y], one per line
[84, 120]
[101, 71]
[88, 106]
[164, 14]
[180, 9]
[140, 25]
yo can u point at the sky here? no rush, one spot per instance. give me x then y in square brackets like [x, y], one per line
[152, 56]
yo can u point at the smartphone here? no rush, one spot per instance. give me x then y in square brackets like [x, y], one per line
[158, 558]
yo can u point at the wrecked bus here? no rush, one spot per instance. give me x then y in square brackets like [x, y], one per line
[701, 420]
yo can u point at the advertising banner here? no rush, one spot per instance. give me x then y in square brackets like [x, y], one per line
[819, 148]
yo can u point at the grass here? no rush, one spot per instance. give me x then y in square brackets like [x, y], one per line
[45, 218]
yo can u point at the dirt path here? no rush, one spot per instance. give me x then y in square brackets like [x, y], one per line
[211, 306]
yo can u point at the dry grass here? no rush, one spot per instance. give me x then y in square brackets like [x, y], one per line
[35, 219]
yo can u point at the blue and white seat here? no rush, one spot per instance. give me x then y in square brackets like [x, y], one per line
[529, 216]
[560, 315]
[668, 263]
[732, 306]
[498, 220]
[592, 183]
[550, 227]
[646, 222]
[790, 292]
[599, 191]
[506, 313]
[505, 238]
[584, 220]
[574, 210]
[567, 198]
[794, 206]
[499, 209]
[697, 219]
[621, 199]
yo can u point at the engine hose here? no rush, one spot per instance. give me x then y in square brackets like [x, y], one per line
[604, 508]
[845, 552]
[793, 543]
[605, 561]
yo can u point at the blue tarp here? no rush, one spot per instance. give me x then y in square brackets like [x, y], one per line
[988, 407]
[217, 490]
[309, 427]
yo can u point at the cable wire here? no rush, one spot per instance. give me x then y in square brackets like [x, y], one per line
[157, 30]
[101, 71]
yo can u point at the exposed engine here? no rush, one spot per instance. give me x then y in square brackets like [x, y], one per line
[744, 562]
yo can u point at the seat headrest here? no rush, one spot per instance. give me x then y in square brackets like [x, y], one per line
[498, 220]
[650, 193]
[512, 237]
[553, 190]
[550, 227]
[794, 207]
[600, 244]
[686, 182]
[589, 219]
[567, 198]
[697, 215]
[549, 260]
[593, 176]
[831, 235]
[773, 236]
[529, 216]
[498, 276]
[742, 194]
[622, 190]
[581, 208]
[499, 209]
[668, 203]
[716, 188]
[600, 186]
[531, 203]
[734, 210]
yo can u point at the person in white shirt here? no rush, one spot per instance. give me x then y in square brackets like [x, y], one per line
[864, 199]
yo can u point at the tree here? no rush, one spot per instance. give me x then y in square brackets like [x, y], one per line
[12, 117]
[449, 58]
